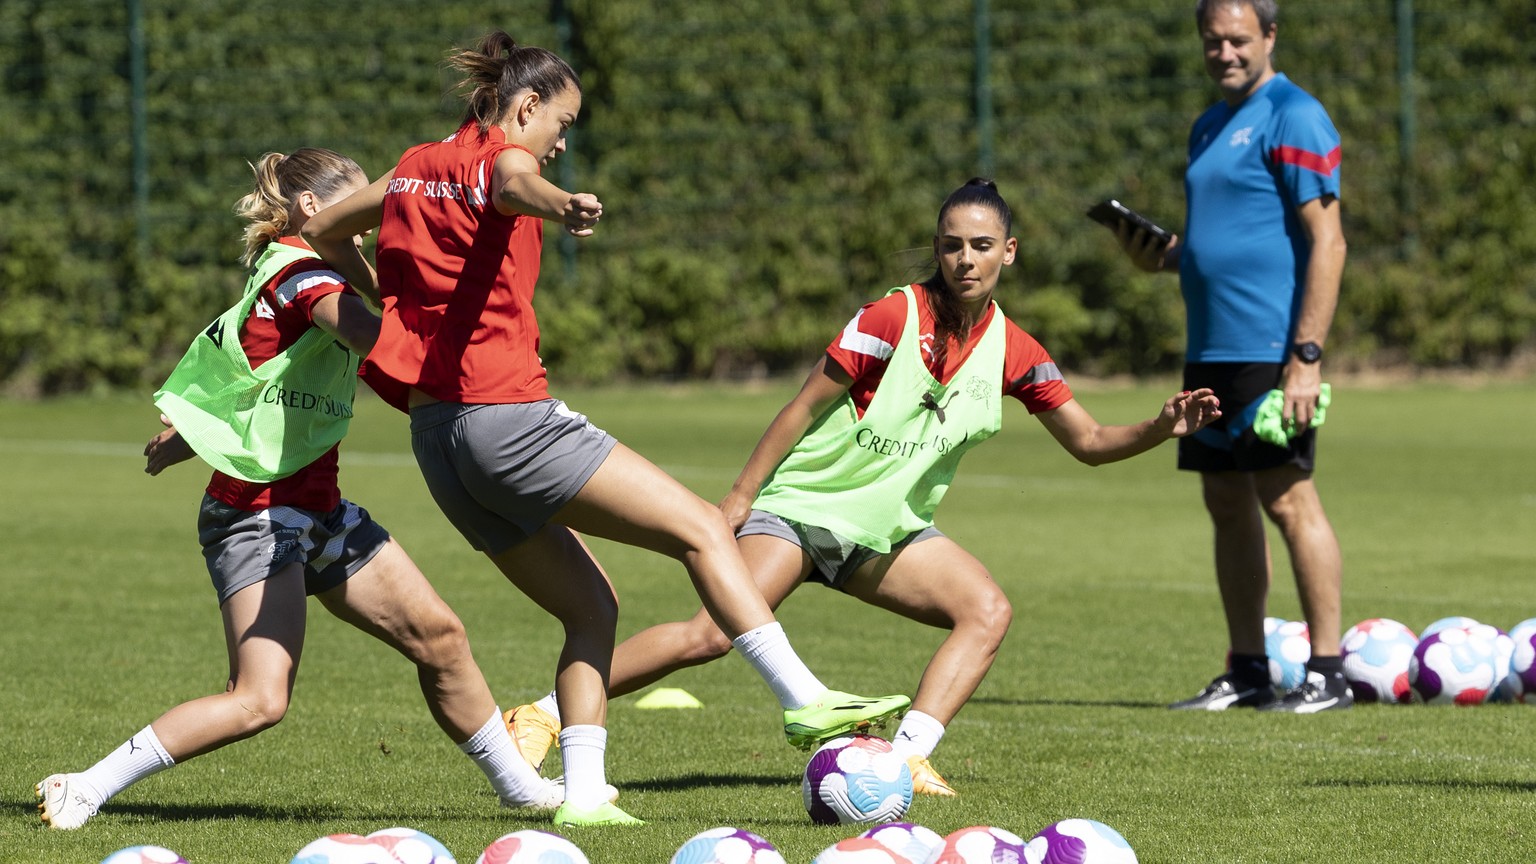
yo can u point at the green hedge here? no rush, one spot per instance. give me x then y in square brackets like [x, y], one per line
[766, 166]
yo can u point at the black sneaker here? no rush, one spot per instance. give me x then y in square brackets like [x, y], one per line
[1318, 693]
[1226, 691]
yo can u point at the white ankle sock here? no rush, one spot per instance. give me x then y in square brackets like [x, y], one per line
[582, 749]
[767, 649]
[137, 758]
[493, 749]
[918, 734]
[551, 705]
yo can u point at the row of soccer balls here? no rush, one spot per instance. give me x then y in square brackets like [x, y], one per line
[1457, 660]
[1071, 841]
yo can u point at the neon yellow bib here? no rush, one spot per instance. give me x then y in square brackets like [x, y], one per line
[261, 424]
[878, 478]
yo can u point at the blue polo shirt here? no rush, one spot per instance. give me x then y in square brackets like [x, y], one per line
[1245, 252]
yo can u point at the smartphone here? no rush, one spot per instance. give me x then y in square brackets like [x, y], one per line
[1111, 213]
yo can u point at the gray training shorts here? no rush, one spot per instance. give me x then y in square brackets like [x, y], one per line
[242, 548]
[833, 556]
[499, 472]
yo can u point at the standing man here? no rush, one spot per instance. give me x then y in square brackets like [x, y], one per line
[1259, 268]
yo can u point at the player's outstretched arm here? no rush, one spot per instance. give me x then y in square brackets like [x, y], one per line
[335, 234]
[520, 189]
[1092, 444]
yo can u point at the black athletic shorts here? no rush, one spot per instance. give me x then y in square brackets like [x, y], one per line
[1229, 443]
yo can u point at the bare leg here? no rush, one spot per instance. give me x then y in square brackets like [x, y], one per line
[1242, 557]
[391, 600]
[1291, 500]
[777, 567]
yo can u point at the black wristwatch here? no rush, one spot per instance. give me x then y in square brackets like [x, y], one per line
[1307, 352]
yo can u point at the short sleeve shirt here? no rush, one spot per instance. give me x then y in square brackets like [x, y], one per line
[284, 312]
[1243, 266]
[863, 351]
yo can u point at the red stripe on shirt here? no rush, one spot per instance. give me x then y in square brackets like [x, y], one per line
[1305, 159]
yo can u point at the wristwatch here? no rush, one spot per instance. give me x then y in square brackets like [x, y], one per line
[1307, 352]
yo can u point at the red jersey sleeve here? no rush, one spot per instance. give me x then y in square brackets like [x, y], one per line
[1030, 375]
[863, 348]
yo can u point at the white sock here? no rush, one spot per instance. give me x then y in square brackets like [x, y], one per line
[918, 734]
[137, 758]
[551, 705]
[767, 649]
[493, 749]
[582, 749]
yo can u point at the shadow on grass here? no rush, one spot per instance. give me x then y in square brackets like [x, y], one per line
[1071, 703]
[1441, 783]
[713, 781]
[172, 812]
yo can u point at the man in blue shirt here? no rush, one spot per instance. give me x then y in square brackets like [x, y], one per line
[1259, 267]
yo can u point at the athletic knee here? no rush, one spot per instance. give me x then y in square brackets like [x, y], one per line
[706, 642]
[438, 641]
[261, 708]
[991, 614]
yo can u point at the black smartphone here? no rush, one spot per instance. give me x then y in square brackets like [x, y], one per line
[1111, 213]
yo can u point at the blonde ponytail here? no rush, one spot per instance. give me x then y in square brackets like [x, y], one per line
[279, 180]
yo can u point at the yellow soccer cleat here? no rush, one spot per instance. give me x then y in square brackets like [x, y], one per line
[926, 781]
[535, 731]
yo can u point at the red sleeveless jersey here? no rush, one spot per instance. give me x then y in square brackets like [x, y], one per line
[456, 278]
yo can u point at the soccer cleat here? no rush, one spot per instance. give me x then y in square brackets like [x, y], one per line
[64, 803]
[606, 813]
[535, 731]
[1227, 691]
[1318, 693]
[926, 781]
[836, 713]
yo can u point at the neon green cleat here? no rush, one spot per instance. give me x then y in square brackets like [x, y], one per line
[606, 813]
[836, 713]
[926, 781]
[535, 731]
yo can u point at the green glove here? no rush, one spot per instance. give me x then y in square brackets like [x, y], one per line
[1269, 425]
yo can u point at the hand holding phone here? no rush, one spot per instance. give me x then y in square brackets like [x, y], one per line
[1111, 213]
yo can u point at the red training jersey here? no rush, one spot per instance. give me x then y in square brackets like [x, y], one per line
[283, 312]
[863, 350]
[456, 278]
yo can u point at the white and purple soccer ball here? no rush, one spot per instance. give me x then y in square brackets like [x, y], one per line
[1446, 623]
[856, 778]
[1376, 653]
[726, 845]
[1079, 841]
[911, 841]
[1519, 684]
[344, 849]
[979, 844]
[1456, 666]
[1288, 645]
[859, 850]
[532, 847]
[144, 855]
[413, 847]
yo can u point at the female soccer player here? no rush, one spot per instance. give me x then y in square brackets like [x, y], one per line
[264, 395]
[843, 485]
[517, 472]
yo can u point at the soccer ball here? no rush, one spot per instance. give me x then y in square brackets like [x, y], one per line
[531, 847]
[1446, 624]
[1520, 684]
[1288, 645]
[1457, 665]
[856, 778]
[413, 847]
[1079, 841]
[1376, 654]
[144, 855]
[859, 850]
[1503, 655]
[344, 849]
[727, 846]
[979, 844]
[912, 842]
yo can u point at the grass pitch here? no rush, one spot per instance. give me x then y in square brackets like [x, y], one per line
[108, 619]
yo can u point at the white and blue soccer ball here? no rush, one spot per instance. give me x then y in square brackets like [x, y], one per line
[532, 847]
[856, 778]
[1520, 684]
[1447, 623]
[410, 846]
[144, 855]
[344, 849]
[1457, 666]
[1376, 653]
[911, 841]
[1079, 841]
[726, 846]
[979, 844]
[1288, 646]
[859, 850]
